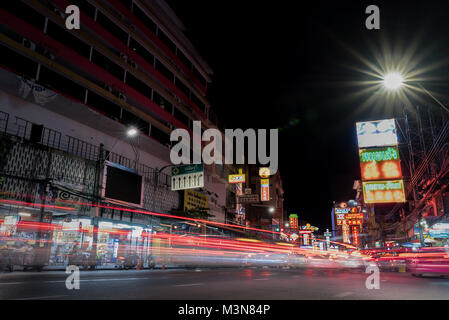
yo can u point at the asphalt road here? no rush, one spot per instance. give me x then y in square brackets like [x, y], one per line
[232, 284]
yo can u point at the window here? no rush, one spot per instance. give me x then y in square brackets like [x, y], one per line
[85, 7]
[164, 103]
[112, 27]
[198, 102]
[184, 59]
[166, 40]
[181, 86]
[141, 51]
[164, 70]
[101, 104]
[18, 62]
[135, 83]
[107, 64]
[160, 135]
[24, 12]
[130, 119]
[144, 18]
[67, 39]
[181, 117]
[58, 82]
[199, 76]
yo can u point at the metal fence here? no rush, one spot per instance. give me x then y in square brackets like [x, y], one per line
[69, 160]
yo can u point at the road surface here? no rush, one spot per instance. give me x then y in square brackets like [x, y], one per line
[233, 284]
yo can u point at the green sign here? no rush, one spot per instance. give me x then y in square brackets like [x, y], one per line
[383, 185]
[187, 169]
[379, 154]
[189, 176]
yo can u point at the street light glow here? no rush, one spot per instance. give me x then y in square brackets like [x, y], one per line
[271, 209]
[132, 132]
[393, 80]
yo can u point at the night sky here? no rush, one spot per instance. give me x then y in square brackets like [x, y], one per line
[289, 66]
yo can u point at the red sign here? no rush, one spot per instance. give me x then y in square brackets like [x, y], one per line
[381, 170]
[354, 222]
[354, 216]
[264, 190]
[355, 235]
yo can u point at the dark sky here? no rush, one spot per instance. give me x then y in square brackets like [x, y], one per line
[287, 65]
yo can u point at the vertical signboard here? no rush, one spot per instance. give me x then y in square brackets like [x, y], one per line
[264, 189]
[346, 232]
[379, 162]
[239, 208]
[355, 235]
[293, 221]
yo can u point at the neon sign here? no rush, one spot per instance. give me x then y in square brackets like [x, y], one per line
[381, 170]
[377, 133]
[379, 154]
[384, 191]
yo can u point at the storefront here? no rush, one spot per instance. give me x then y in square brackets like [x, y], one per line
[435, 233]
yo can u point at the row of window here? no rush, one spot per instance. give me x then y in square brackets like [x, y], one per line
[57, 82]
[28, 14]
[163, 37]
[142, 51]
[58, 33]
[122, 35]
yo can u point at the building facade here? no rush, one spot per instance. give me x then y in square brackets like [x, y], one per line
[68, 100]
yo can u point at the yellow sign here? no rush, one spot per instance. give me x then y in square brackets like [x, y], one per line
[194, 200]
[236, 178]
[265, 182]
[389, 191]
[264, 172]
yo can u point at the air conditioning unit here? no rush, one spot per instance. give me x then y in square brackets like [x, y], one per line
[122, 97]
[49, 55]
[177, 99]
[29, 44]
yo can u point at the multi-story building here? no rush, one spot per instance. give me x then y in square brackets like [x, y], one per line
[267, 214]
[69, 99]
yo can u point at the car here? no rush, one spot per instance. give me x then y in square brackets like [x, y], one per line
[430, 261]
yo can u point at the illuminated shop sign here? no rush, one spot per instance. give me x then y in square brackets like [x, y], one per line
[381, 170]
[354, 222]
[380, 163]
[384, 191]
[377, 133]
[293, 221]
[340, 216]
[236, 178]
[346, 233]
[355, 235]
[354, 216]
[264, 189]
[264, 172]
[342, 210]
[379, 154]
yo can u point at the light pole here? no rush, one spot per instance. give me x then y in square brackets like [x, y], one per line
[394, 81]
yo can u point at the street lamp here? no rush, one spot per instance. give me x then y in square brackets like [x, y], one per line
[271, 209]
[131, 132]
[393, 80]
